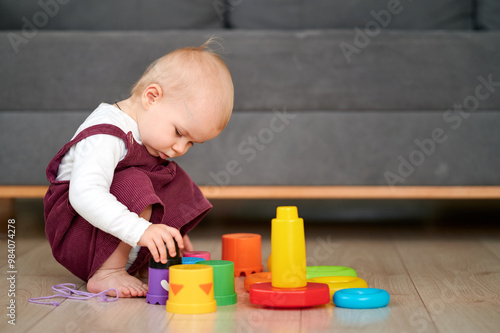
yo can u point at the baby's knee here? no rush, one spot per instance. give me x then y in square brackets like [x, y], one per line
[146, 213]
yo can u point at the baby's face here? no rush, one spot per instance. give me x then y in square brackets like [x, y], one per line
[169, 128]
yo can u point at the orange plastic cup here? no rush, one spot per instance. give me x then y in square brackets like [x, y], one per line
[245, 250]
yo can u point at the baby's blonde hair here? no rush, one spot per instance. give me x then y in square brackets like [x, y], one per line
[177, 73]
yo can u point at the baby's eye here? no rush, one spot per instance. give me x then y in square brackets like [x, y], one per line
[177, 132]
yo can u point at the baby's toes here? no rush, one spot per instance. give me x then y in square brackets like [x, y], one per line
[138, 290]
[142, 290]
[125, 292]
[111, 293]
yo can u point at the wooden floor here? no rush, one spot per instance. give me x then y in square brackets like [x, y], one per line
[443, 279]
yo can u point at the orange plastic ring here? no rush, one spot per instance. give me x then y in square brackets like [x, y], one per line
[257, 278]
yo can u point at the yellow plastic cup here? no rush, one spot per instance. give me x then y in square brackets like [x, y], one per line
[288, 249]
[336, 283]
[191, 289]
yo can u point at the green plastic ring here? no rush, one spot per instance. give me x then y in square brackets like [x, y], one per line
[320, 271]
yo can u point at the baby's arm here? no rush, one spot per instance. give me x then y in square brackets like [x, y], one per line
[96, 158]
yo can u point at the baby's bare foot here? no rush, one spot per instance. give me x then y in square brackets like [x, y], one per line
[119, 279]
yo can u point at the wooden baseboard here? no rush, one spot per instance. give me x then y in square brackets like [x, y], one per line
[309, 192]
[22, 192]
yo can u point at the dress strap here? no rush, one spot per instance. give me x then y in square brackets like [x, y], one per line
[109, 129]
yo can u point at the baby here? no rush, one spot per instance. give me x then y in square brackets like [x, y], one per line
[115, 196]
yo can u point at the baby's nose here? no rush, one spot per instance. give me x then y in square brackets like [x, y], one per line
[180, 148]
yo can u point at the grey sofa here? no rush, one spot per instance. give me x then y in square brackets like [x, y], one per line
[326, 92]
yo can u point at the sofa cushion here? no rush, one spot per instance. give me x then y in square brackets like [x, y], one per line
[108, 14]
[488, 14]
[286, 147]
[396, 70]
[314, 14]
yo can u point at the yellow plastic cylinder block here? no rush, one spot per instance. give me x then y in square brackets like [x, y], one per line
[191, 289]
[288, 249]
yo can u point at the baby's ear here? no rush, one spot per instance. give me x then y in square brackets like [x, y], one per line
[151, 95]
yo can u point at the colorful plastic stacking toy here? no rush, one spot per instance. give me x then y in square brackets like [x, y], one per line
[288, 287]
[336, 283]
[191, 260]
[191, 289]
[244, 250]
[158, 278]
[361, 298]
[198, 254]
[318, 271]
[224, 293]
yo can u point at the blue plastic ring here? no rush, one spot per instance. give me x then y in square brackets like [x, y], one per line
[191, 260]
[361, 298]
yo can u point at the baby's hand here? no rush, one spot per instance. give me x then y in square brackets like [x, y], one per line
[188, 246]
[156, 236]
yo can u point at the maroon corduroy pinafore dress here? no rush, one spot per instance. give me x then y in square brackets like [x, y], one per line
[140, 180]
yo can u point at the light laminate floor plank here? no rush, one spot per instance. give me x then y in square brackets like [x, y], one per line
[493, 245]
[37, 272]
[459, 282]
[438, 283]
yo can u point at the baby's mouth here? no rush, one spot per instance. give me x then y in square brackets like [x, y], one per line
[163, 156]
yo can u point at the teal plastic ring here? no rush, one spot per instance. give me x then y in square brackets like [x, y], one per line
[361, 298]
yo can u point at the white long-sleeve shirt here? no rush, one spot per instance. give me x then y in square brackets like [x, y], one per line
[89, 165]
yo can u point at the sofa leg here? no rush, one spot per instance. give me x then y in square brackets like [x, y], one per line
[6, 213]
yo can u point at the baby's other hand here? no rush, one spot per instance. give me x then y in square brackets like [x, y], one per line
[188, 246]
[156, 236]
